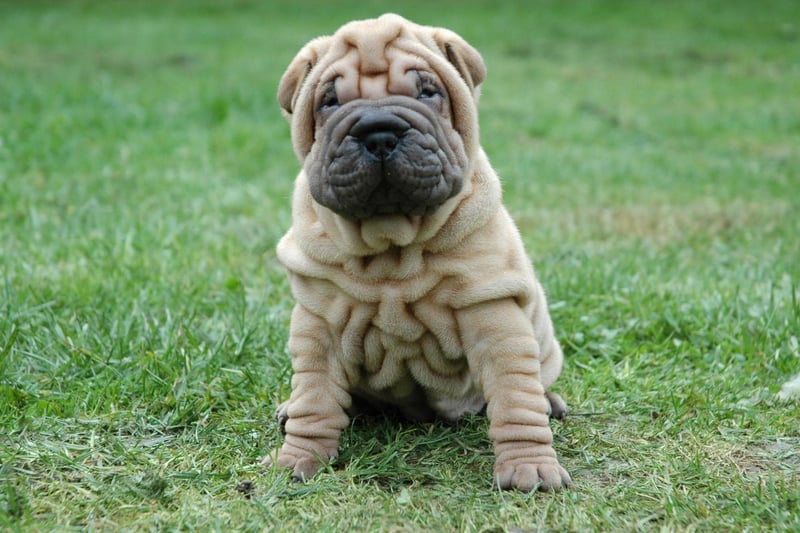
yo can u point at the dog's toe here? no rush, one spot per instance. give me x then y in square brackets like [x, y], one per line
[528, 476]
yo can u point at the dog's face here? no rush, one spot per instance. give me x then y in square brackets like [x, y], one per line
[383, 104]
[384, 154]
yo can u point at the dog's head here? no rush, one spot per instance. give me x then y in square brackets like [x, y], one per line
[384, 116]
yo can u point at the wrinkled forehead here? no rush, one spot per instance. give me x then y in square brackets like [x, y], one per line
[374, 72]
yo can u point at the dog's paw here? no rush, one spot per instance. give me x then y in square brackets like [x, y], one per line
[558, 407]
[529, 474]
[282, 414]
[302, 464]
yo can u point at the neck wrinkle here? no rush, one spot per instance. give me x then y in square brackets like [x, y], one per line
[330, 238]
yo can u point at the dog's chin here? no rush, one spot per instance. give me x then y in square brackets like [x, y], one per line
[357, 187]
[383, 200]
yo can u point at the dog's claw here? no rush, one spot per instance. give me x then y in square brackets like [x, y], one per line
[282, 414]
[558, 407]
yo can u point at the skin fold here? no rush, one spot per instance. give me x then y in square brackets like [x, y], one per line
[411, 282]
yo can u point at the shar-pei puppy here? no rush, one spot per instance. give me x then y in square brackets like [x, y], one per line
[411, 283]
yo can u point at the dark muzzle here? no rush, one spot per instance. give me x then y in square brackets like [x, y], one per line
[383, 158]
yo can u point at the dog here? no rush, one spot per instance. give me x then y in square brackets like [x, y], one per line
[411, 284]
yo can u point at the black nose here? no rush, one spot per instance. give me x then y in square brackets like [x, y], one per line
[379, 132]
[380, 143]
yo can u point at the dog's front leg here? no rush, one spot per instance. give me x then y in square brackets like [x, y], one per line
[503, 355]
[316, 407]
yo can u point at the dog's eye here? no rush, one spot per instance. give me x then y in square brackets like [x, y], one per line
[429, 91]
[427, 87]
[330, 99]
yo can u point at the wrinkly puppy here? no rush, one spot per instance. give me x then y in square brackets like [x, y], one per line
[412, 286]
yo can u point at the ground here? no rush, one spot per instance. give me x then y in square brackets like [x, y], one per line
[648, 153]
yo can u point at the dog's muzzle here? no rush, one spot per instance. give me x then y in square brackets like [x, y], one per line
[385, 157]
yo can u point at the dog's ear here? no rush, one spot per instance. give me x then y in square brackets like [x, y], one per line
[292, 80]
[463, 56]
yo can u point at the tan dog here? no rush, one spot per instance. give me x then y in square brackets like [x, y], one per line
[412, 286]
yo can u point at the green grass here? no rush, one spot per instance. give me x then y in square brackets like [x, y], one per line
[649, 153]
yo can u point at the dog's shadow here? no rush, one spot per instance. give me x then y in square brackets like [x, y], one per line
[385, 448]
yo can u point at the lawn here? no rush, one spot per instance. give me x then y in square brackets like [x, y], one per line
[650, 154]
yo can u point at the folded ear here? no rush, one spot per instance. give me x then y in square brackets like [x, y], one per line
[292, 80]
[463, 56]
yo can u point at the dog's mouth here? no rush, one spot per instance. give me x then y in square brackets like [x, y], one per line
[385, 157]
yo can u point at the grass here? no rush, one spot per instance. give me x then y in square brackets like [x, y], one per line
[648, 153]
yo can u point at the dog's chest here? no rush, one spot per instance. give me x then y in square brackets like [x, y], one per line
[400, 332]
[404, 338]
